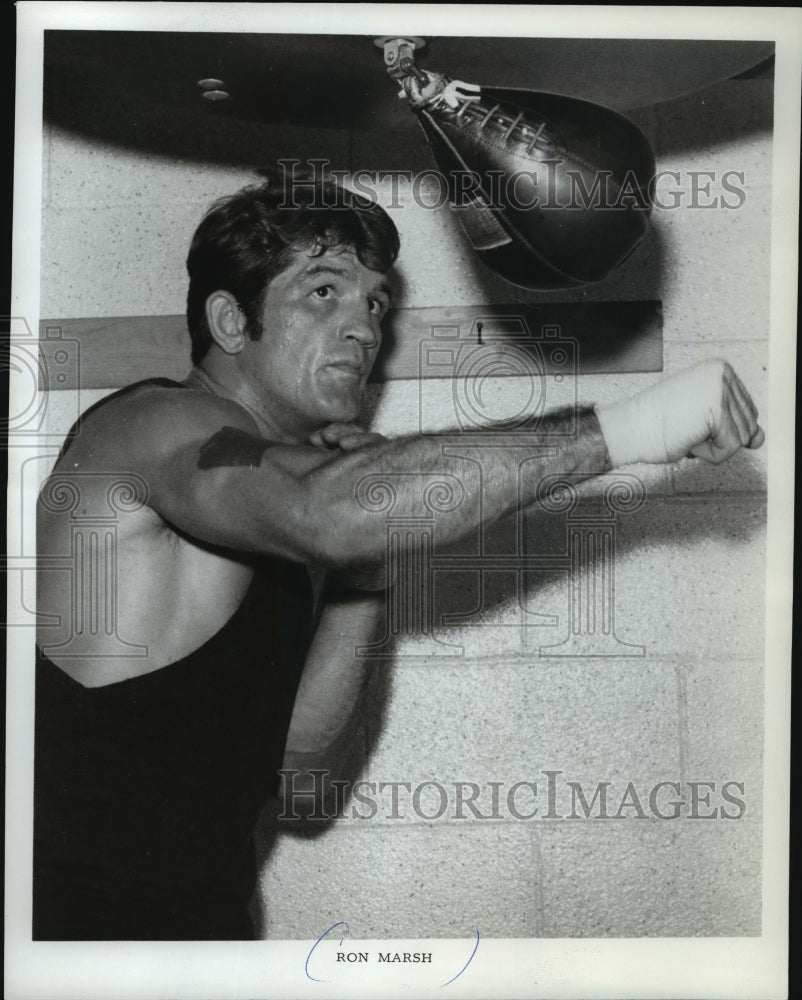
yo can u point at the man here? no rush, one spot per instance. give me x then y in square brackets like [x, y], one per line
[151, 768]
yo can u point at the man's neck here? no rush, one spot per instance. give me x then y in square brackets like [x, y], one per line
[228, 384]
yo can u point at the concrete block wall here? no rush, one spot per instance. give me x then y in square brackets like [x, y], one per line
[689, 576]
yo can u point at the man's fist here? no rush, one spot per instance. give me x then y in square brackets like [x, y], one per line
[703, 412]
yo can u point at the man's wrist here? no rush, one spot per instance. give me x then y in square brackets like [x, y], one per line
[615, 424]
[587, 449]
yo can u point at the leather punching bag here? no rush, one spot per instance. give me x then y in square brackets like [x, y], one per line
[552, 192]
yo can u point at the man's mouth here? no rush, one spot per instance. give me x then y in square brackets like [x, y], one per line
[353, 368]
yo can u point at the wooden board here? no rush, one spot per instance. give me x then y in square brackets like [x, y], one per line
[600, 337]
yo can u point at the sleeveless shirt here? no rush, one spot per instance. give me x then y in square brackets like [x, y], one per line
[147, 790]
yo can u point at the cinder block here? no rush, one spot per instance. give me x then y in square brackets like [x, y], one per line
[720, 178]
[432, 236]
[748, 358]
[458, 721]
[509, 722]
[91, 173]
[392, 408]
[716, 271]
[483, 615]
[47, 160]
[26, 473]
[429, 405]
[651, 878]
[690, 577]
[605, 719]
[395, 882]
[132, 259]
[84, 171]
[721, 705]
[733, 117]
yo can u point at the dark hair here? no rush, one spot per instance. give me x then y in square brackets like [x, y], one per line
[245, 240]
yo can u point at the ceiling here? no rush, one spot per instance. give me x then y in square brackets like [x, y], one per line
[141, 89]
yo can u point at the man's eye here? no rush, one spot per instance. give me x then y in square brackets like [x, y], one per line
[378, 306]
[323, 292]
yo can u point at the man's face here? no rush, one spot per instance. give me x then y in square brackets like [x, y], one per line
[321, 333]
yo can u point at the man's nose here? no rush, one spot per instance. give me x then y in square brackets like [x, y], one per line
[360, 326]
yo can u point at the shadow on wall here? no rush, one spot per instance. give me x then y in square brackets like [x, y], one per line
[457, 594]
[544, 533]
[726, 112]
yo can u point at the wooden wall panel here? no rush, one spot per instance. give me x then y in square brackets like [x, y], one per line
[597, 337]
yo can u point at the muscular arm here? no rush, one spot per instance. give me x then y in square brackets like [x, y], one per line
[232, 488]
[210, 474]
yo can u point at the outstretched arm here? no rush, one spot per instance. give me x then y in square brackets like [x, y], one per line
[234, 489]
[217, 480]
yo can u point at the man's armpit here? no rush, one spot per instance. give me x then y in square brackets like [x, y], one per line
[232, 446]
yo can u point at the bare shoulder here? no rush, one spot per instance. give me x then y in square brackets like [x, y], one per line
[144, 425]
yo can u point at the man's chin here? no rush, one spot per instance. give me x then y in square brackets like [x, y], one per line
[344, 412]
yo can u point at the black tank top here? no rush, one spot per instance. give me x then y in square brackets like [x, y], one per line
[147, 790]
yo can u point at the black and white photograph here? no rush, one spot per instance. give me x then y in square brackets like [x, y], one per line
[400, 522]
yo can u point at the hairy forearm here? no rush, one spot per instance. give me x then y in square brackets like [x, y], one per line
[331, 506]
[353, 491]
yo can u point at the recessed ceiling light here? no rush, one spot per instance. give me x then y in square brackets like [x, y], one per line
[216, 95]
[211, 84]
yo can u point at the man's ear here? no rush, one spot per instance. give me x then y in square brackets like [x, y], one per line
[226, 321]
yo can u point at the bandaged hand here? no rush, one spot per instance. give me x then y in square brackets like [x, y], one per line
[704, 412]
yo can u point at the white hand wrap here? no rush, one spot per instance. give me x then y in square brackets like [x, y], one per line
[664, 422]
